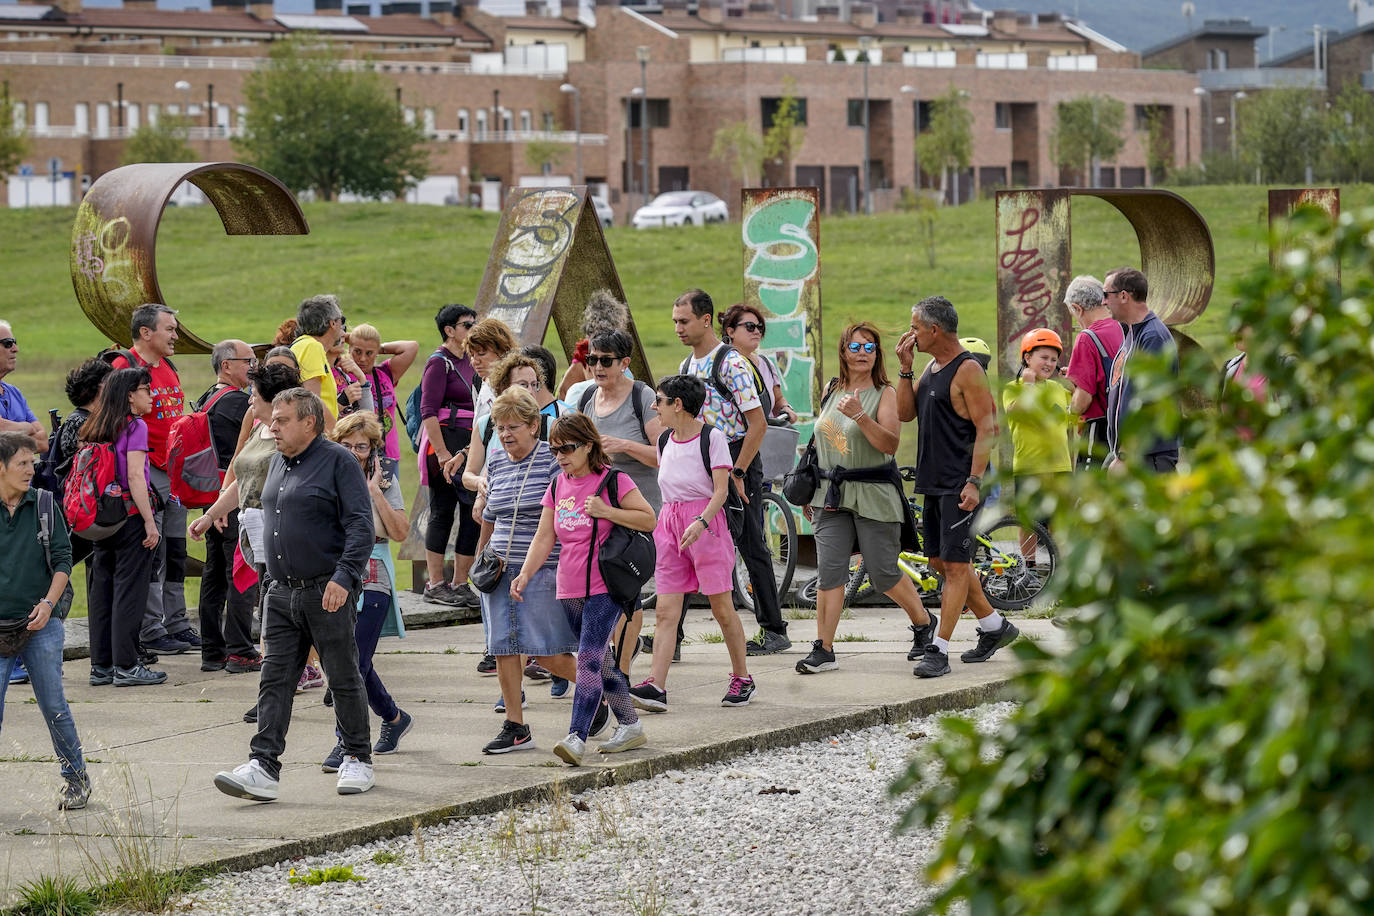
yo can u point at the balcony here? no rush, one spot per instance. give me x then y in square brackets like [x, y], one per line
[520, 136]
[1261, 78]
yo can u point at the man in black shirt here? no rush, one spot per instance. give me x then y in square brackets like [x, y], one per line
[226, 639]
[318, 535]
[956, 421]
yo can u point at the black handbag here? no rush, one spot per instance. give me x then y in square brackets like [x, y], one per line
[14, 635]
[799, 485]
[626, 560]
[488, 569]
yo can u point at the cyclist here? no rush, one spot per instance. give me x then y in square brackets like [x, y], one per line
[956, 424]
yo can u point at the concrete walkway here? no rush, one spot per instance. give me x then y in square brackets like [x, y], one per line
[154, 750]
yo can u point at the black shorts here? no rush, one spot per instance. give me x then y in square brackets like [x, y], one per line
[947, 529]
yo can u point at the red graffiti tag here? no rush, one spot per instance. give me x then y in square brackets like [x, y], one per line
[1026, 267]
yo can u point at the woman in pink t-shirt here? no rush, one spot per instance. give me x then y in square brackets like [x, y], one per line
[695, 550]
[572, 509]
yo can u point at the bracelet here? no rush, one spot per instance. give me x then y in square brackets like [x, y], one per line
[906, 375]
[698, 518]
[51, 606]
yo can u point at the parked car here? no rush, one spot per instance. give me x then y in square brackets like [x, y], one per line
[604, 213]
[682, 208]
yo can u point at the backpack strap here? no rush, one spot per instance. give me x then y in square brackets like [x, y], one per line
[1097, 342]
[210, 404]
[638, 408]
[704, 441]
[46, 521]
[663, 443]
[610, 488]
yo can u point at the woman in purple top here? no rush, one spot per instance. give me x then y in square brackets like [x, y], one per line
[448, 392]
[122, 564]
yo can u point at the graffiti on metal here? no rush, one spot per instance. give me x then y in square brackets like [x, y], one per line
[114, 237]
[548, 257]
[1034, 263]
[782, 280]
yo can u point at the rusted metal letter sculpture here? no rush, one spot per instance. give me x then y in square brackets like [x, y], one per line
[549, 256]
[114, 266]
[1283, 201]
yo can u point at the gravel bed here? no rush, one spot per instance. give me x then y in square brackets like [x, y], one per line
[806, 829]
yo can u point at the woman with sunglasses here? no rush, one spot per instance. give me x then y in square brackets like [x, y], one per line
[857, 429]
[743, 328]
[571, 507]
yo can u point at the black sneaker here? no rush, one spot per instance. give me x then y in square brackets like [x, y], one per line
[768, 643]
[335, 759]
[165, 645]
[189, 637]
[392, 733]
[145, 658]
[934, 663]
[487, 666]
[600, 720]
[989, 643]
[440, 594]
[251, 716]
[647, 695]
[512, 738]
[212, 664]
[242, 664]
[466, 597]
[820, 659]
[921, 636]
[328, 698]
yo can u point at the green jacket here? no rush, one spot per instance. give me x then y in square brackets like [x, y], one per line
[24, 575]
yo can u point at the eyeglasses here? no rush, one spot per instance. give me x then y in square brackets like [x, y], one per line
[147, 388]
[252, 361]
[9, 343]
[510, 430]
[1111, 292]
[603, 361]
[663, 399]
[750, 326]
[357, 448]
[855, 347]
[466, 325]
[566, 448]
[343, 322]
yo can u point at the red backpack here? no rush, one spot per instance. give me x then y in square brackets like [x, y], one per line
[95, 504]
[192, 465]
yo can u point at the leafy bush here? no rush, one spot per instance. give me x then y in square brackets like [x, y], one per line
[318, 876]
[48, 896]
[1205, 745]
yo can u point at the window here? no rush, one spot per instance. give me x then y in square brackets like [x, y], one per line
[429, 122]
[40, 116]
[855, 112]
[505, 119]
[462, 121]
[548, 121]
[102, 119]
[769, 108]
[921, 115]
[481, 124]
[1001, 112]
[658, 113]
[1217, 59]
[154, 111]
[409, 114]
[131, 116]
[81, 119]
[526, 120]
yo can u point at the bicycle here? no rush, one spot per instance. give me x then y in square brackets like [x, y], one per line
[780, 536]
[1010, 583]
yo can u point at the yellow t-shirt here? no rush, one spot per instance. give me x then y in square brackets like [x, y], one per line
[314, 364]
[1038, 414]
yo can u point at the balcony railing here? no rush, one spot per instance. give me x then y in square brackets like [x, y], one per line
[1262, 78]
[115, 132]
[537, 67]
[519, 136]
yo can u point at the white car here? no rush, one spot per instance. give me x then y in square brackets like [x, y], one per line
[604, 214]
[682, 208]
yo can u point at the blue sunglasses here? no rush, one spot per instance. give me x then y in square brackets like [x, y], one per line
[855, 347]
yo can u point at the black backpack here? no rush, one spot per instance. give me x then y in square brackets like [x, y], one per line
[717, 357]
[626, 560]
[734, 506]
[586, 401]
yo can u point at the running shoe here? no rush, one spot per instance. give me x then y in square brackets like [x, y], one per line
[243, 664]
[741, 689]
[441, 594]
[513, 737]
[934, 663]
[75, 793]
[647, 695]
[820, 659]
[464, 596]
[600, 719]
[335, 758]
[310, 677]
[165, 645]
[922, 636]
[355, 777]
[137, 676]
[392, 733]
[536, 672]
[189, 637]
[500, 704]
[487, 666]
[212, 664]
[559, 687]
[768, 643]
[570, 750]
[248, 780]
[989, 643]
[626, 738]
[102, 675]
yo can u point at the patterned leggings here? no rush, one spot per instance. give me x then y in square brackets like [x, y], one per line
[593, 619]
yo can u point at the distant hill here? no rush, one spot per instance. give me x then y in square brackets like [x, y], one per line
[1139, 24]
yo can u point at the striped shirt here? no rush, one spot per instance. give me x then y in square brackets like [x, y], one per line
[504, 480]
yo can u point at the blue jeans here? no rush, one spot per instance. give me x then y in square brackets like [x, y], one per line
[42, 655]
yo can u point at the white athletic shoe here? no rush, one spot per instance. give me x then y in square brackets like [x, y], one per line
[571, 749]
[248, 780]
[355, 776]
[626, 738]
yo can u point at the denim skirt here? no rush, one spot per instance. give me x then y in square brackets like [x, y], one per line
[535, 626]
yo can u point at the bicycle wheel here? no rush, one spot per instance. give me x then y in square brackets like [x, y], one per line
[780, 537]
[1010, 582]
[858, 587]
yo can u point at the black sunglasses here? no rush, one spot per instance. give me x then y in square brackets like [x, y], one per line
[750, 326]
[9, 343]
[466, 324]
[663, 399]
[567, 448]
[1110, 292]
[604, 362]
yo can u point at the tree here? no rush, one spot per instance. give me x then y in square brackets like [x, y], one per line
[14, 146]
[318, 126]
[1281, 132]
[948, 142]
[164, 141]
[544, 154]
[782, 140]
[1159, 144]
[740, 147]
[1087, 130]
[1352, 133]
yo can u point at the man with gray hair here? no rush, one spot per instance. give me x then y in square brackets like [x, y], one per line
[321, 326]
[317, 535]
[226, 614]
[1090, 365]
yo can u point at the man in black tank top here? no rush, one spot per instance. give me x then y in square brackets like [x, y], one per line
[956, 421]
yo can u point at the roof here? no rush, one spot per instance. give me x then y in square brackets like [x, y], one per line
[1212, 28]
[541, 23]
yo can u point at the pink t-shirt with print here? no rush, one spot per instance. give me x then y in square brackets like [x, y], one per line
[567, 497]
[681, 474]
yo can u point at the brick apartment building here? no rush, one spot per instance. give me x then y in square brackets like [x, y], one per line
[485, 86]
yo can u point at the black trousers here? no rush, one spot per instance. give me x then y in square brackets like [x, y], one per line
[751, 546]
[120, 575]
[293, 621]
[223, 634]
[444, 500]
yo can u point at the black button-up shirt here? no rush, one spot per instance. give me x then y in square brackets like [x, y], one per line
[317, 515]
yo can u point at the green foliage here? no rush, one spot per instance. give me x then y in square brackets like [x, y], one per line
[318, 125]
[318, 876]
[740, 147]
[164, 141]
[48, 896]
[386, 857]
[545, 154]
[1087, 129]
[1282, 132]
[1215, 168]
[947, 143]
[1351, 145]
[14, 146]
[1204, 745]
[782, 140]
[1159, 143]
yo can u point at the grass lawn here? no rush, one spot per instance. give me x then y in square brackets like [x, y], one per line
[394, 264]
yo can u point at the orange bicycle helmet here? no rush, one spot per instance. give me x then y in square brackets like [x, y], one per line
[1040, 337]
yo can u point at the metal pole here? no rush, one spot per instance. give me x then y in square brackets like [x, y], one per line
[577, 129]
[119, 102]
[629, 147]
[868, 193]
[644, 126]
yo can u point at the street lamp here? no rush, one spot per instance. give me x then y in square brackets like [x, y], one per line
[635, 93]
[916, 108]
[570, 89]
[642, 53]
[1206, 95]
[1234, 96]
[185, 89]
[865, 42]
[1272, 30]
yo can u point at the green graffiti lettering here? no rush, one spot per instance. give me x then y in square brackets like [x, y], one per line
[784, 255]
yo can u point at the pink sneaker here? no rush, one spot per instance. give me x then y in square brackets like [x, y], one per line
[310, 677]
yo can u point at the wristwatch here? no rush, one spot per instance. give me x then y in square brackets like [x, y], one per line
[737, 473]
[976, 481]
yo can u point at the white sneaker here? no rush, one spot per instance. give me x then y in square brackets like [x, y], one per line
[354, 776]
[571, 749]
[248, 780]
[626, 737]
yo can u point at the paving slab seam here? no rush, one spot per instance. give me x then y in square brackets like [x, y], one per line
[578, 780]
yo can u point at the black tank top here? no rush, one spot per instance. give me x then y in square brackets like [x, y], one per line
[944, 440]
